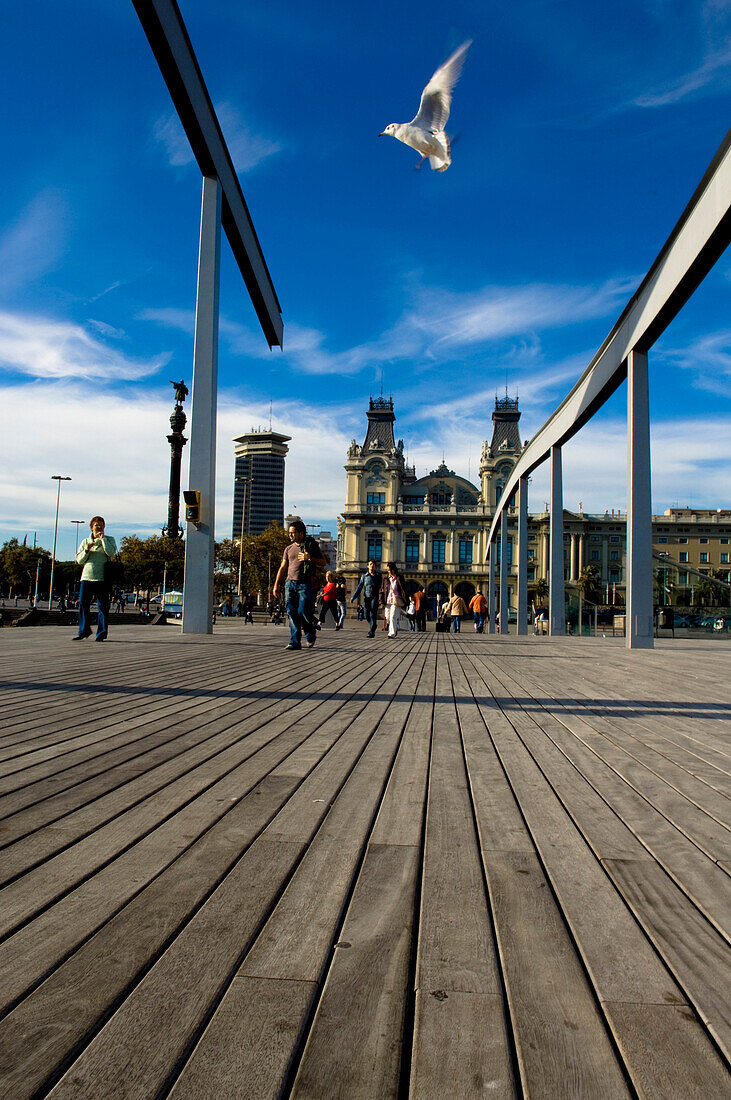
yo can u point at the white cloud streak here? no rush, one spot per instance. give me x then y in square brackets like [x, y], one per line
[46, 348]
[247, 148]
[32, 244]
[440, 326]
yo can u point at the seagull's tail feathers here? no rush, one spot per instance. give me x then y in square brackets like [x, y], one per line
[441, 162]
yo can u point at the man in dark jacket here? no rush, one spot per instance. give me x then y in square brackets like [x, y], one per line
[370, 585]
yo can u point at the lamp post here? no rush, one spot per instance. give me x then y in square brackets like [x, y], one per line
[78, 523]
[247, 481]
[59, 479]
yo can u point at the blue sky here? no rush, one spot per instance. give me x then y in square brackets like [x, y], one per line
[581, 131]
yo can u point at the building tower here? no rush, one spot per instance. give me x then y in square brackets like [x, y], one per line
[260, 456]
[177, 441]
[500, 455]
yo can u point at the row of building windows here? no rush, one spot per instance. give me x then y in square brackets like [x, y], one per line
[411, 550]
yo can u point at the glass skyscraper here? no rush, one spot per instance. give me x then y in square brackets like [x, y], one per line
[259, 501]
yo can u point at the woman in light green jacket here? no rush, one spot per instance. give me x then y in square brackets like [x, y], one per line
[93, 554]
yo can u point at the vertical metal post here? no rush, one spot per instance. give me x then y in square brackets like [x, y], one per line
[523, 556]
[639, 507]
[491, 588]
[199, 544]
[504, 599]
[556, 596]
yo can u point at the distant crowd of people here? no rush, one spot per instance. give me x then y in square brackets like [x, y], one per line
[304, 590]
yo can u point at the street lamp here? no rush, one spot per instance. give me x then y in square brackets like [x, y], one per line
[79, 523]
[247, 481]
[59, 479]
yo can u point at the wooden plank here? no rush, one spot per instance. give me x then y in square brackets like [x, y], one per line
[562, 1046]
[232, 1061]
[708, 887]
[645, 1034]
[455, 949]
[459, 1048]
[298, 937]
[152, 1020]
[401, 815]
[355, 1043]
[692, 949]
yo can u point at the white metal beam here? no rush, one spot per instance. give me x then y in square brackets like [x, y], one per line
[556, 595]
[199, 542]
[504, 597]
[639, 506]
[522, 556]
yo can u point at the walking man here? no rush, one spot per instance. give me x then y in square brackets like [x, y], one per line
[370, 584]
[302, 558]
[478, 607]
[420, 607]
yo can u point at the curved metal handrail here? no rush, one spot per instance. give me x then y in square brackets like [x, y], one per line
[695, 244]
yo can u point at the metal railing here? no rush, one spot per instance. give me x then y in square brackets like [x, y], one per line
[695, 244]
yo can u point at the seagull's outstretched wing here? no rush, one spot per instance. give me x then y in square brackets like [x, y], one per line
[436, 99]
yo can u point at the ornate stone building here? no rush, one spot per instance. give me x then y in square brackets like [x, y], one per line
[436, 527]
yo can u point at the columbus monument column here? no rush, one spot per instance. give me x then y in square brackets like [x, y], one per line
[177, 441]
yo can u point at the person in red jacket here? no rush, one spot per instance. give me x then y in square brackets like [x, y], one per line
[329, 599]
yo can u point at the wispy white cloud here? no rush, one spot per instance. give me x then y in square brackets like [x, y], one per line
[708, 358]
[439, 326]
[44, 348]
[247, 148]
[708, 77]
[32, 244]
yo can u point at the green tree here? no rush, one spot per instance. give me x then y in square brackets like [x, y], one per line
[18, 566]
[145, 561]
[260, 559]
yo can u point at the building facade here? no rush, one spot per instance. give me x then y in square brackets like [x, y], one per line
[436, 527]
[258, 481]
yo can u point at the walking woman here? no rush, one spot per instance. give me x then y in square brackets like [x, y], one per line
[393, 595]
[93, 554]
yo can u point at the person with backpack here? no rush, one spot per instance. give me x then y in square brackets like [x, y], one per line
[478, 607]
[300, 563]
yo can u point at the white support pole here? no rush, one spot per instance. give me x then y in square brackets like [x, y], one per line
[639, 506]
[523, 556]
[491, 588]
[556, 597]
[199, 545]
[504, 599]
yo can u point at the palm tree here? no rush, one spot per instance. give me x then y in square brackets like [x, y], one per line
[589, 584]
[541, 590]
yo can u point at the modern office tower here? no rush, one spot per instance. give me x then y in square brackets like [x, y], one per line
[258, 481]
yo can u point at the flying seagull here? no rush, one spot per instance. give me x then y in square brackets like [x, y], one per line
[425, 133]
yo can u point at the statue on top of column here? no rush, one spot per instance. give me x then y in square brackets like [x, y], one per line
[181, 391]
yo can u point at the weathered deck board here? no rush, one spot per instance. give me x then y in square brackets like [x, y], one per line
[445, 865]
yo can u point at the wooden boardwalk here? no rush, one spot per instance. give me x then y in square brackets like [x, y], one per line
[439, 866]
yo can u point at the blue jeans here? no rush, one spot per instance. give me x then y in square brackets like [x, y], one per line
[370, 606]
[455, 624]
[479, 620]
[90, 591]
[299, 600]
